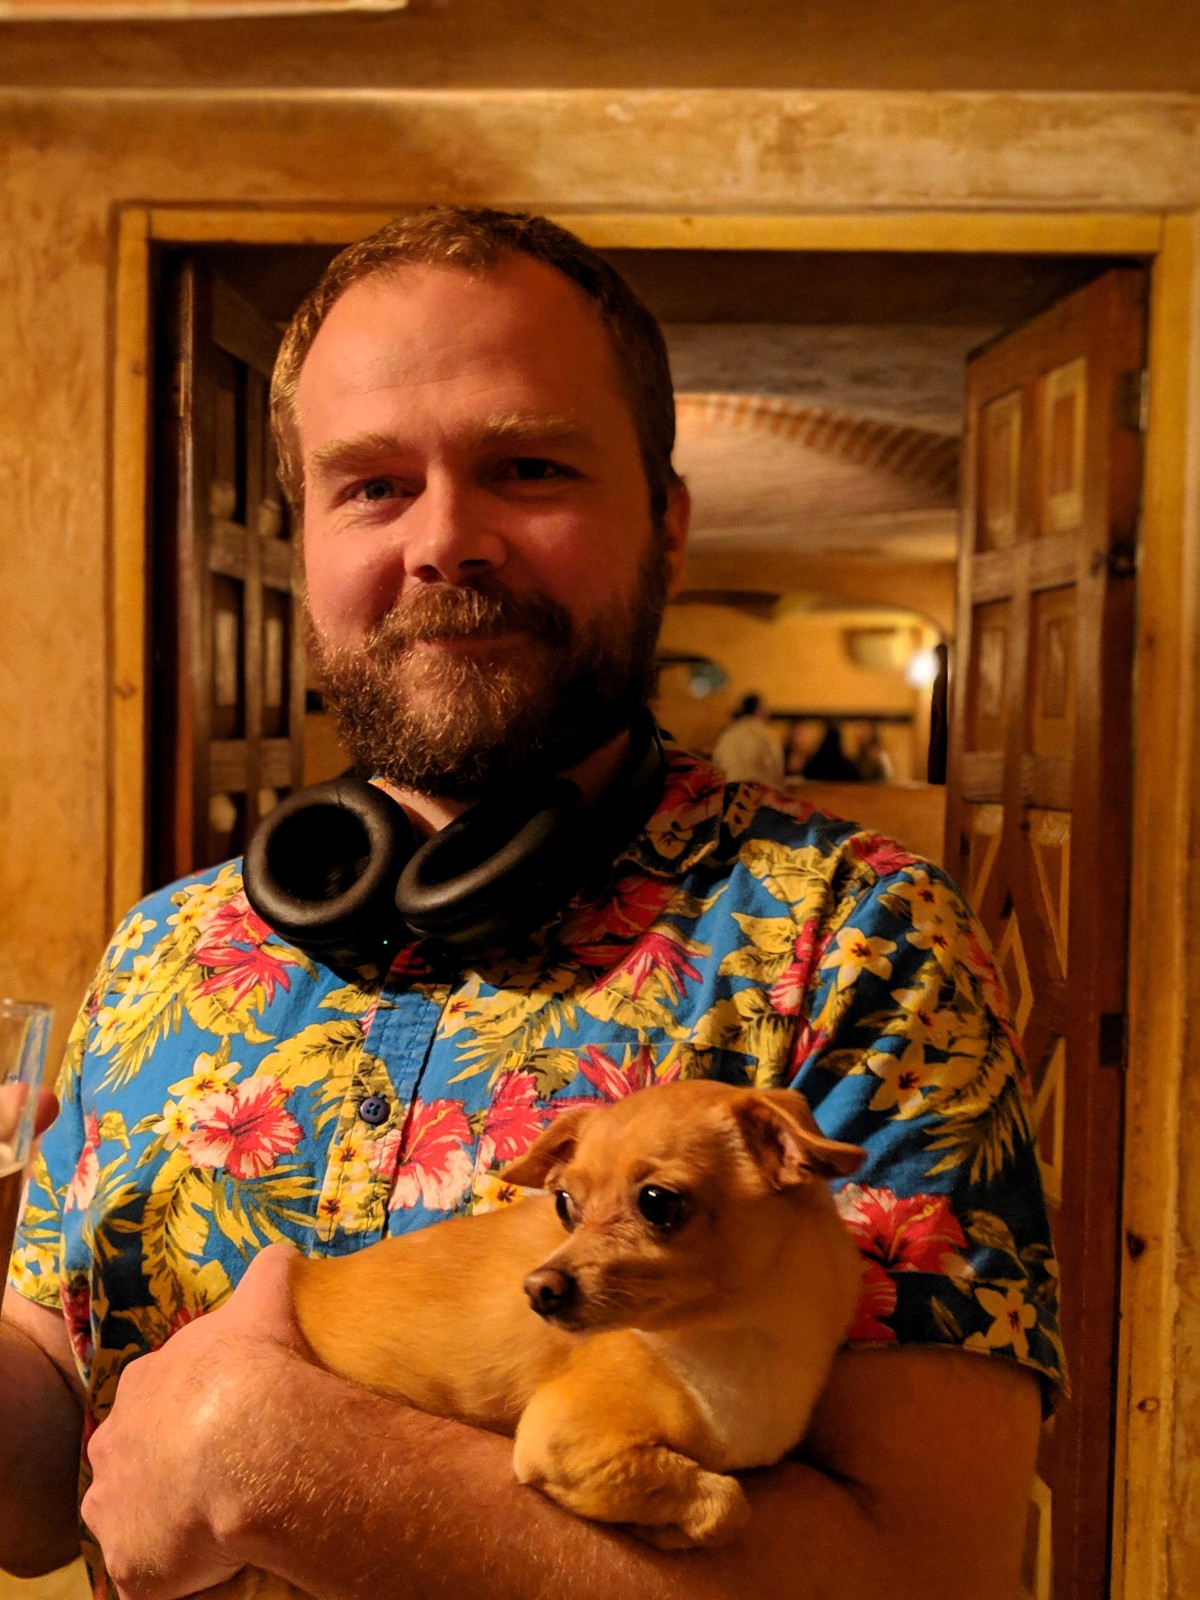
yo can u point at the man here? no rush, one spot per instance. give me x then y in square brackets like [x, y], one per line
[746, 751]
[475, 426]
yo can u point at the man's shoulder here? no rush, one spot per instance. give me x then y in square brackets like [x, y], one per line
[188, 897]
[703, 821]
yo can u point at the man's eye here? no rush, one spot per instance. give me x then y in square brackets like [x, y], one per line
[533, 469]
[376, 489]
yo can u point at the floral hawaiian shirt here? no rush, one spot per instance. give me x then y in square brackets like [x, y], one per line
[221, 1090]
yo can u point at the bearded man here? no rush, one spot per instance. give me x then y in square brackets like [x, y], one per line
[475, 424]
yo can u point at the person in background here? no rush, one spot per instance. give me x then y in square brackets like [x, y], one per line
[873, 762]
[747, 751]
[829, 762]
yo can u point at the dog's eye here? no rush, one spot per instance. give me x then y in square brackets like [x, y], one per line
[565, 1207]
[662, 1208]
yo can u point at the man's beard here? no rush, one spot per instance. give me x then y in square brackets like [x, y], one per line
[453, 722]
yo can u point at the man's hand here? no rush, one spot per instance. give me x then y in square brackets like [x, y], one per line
[13, 1097]
[166, 1488]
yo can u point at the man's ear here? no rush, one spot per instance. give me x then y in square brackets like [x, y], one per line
[550, 1152]
[782, 1135]
[676, 521]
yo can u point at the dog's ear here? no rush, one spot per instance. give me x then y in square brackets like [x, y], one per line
[781, 1134]
[551, 1151]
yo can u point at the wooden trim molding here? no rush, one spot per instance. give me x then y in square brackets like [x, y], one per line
[1002, 232]
[1163, 890]
[127, 533]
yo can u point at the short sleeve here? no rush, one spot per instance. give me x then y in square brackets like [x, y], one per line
[909, 1051]
[36, 1267]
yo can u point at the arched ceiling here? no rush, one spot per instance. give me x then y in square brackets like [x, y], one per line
[766, 472]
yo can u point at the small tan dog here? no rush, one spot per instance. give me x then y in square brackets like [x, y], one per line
[691, 1282]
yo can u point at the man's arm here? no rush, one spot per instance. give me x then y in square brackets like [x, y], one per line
[41, 1422]
[229, 1448]
[917, 1486]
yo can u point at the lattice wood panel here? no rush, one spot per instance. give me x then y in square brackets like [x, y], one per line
[1038, 819]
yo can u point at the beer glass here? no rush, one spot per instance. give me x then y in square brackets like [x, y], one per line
[24, 1029]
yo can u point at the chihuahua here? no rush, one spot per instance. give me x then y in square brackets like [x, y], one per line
[666, 1315]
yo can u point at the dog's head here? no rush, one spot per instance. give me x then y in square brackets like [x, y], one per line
[674, 1200]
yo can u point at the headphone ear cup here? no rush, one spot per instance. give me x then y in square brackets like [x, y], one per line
[497, 872]
[321, 870]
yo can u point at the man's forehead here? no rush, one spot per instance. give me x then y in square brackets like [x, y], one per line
[411, 295]
[415, 322]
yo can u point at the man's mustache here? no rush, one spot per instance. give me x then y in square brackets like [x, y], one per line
[475, 611]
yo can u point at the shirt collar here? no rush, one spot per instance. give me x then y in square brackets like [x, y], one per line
[685, 825]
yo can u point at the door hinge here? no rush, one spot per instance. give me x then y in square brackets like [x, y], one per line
[1131, 401]
[1112, 1040]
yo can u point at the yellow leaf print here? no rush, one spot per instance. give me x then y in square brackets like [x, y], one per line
[796, 874]
[324, 1052]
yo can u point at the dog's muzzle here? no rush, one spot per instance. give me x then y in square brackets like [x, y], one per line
[551, 1291]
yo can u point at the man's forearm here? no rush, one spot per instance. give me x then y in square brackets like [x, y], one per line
[361, 1496]
[40, 1429]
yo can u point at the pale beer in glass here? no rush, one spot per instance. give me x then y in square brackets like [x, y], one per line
[24, 1028]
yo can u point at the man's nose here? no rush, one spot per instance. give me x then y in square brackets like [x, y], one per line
[447, 537]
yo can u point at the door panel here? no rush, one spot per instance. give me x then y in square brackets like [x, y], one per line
[1038, 818]
[229, 701]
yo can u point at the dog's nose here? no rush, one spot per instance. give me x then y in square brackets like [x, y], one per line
[549, 1290]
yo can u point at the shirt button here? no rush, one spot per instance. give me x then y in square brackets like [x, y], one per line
[374, 1110]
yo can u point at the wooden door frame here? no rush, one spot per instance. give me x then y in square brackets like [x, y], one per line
[1165, 884]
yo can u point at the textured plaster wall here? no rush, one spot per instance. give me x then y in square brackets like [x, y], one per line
[71, 158]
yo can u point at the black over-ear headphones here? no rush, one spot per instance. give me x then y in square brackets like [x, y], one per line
[339, 871]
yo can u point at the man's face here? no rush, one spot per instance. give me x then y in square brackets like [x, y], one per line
[484, 579]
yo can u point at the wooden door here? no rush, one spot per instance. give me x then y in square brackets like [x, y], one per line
[226, 633]
[1038, 817]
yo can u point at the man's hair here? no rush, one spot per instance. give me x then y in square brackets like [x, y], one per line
[474, 240]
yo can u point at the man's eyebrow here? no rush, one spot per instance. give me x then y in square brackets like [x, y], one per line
[363, 451]
[535, 427]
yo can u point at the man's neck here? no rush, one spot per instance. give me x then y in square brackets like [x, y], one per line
[429, 815]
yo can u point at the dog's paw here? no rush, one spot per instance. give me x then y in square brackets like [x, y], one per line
[718, 1511]
[715, 1515]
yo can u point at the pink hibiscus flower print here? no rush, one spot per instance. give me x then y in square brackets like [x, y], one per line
[907, 1233]
[76, 1302]
[233, 920]
[232, 937]
[876, 1302]
[638, 1072]
[238, 973]
[436, 1167]
[597, 933]
[809, 1041]
[789, 989]
[655, 953]
[982, 965]
[898, 1233]
[410, 964]
[243, 1128]
[82, 1187]
[691, 795]
[881, 854]
[513, 1120]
